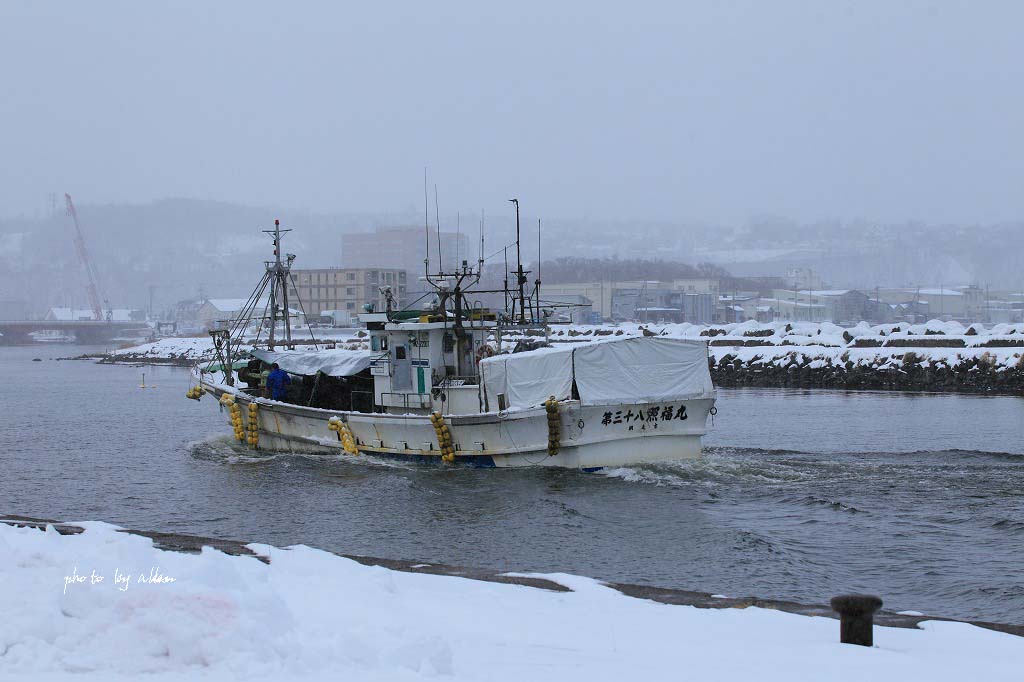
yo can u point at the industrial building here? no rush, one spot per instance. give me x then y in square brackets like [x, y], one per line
[346, 289]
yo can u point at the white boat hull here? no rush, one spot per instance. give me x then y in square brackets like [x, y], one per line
[590, 436]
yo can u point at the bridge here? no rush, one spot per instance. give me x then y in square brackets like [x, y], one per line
[85, 331]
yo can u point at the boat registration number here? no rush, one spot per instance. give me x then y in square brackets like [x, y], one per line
[645, 418]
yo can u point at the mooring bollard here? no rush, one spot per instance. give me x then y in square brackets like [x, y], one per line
[856, 617]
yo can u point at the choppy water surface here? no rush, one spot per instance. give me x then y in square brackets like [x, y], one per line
[801, 495]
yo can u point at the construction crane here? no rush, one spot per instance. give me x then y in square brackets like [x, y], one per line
[83, 255]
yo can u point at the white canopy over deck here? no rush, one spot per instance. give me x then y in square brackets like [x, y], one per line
[335, 362]
[631, 370]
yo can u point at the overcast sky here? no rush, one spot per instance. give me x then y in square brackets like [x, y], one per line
[887, 110]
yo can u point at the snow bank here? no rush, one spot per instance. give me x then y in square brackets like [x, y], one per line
[779, 330]
[193, 349]
[935, 341]
[313, 615]
[1002, 359]
[925, 338]
[190, 350]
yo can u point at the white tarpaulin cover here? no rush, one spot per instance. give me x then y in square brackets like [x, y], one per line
[527, 379]
[642, 369]
[631, 370]
[335, 362]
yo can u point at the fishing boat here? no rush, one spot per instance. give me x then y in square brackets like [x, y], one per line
[457, 383]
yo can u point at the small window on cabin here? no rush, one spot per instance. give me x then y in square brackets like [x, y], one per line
[383, 343]
[400, 352]
[375, 343]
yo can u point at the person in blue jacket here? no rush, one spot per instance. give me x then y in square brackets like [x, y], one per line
[277, 382]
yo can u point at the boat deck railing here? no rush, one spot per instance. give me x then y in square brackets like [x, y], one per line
[416, 400]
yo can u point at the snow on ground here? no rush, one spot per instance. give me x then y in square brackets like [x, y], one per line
[825, 343]
[1002, 359]
[313, 615]
[200, 348]
[823, 333]
[817, 340]
[184, 348]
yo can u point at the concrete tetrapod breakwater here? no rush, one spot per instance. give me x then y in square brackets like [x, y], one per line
[896, 369]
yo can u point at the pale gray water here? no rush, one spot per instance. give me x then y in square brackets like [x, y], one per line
[802, 494]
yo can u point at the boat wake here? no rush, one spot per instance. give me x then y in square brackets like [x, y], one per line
[227, 450]
[716, 469]
[780, 468]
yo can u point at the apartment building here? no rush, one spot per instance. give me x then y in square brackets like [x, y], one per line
[345, 289]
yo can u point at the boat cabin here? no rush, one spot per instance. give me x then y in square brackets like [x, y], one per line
[423, 362]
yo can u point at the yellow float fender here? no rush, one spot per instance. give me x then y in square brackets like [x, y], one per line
[345, 435]
[444, 437]
[554, 426]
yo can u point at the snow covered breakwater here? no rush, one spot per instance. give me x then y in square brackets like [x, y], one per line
[907, 369]
[935, 356]
[301, 613]
[188, 351]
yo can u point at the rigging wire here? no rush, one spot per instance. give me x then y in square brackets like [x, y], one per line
[291, 279]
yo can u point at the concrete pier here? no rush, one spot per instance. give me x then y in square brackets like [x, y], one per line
[193, 544]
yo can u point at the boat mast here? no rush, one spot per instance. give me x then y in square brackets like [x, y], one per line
[520, 275]
[279, 272]
[536, 283]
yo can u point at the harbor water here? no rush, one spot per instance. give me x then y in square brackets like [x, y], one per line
[801, 494]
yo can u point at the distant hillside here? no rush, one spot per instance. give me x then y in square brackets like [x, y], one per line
[180, 247]
[176, 246]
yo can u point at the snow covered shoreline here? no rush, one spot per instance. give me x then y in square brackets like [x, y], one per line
[936, 356]
[188, 351]
[309, 614]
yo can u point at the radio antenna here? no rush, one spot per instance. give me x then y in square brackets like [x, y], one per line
[480, 266]
[537, 282]
[437, 217]
[426, 226]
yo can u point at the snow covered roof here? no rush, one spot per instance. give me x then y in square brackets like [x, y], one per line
[227, 305]
[941, 292]
[798, 304]
[230, 306]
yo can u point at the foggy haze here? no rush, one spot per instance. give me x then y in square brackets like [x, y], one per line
[665, 111]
